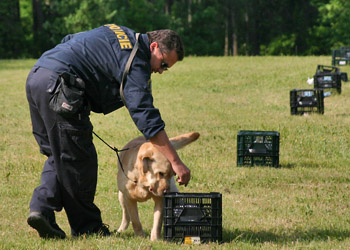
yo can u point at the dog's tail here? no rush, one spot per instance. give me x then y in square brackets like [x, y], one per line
[183, 140]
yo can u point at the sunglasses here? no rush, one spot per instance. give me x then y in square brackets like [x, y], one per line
[163, 65]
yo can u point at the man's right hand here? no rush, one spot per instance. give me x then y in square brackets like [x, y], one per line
[183, 173]
[162, 143]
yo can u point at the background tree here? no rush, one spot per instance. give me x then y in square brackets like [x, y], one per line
[145, 15]
[200, 25]
[207, 27]
[282, 26]
[332, 29]
[11, 33]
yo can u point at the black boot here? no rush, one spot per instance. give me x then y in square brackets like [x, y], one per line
[103, 230]
[45, 225]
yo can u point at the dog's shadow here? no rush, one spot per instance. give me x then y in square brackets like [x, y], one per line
[313, 234]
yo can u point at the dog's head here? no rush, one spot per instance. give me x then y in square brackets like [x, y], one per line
[154, 168]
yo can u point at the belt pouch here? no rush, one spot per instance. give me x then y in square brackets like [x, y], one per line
[68, 98]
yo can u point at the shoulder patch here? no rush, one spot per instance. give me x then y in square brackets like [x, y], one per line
[123, 39]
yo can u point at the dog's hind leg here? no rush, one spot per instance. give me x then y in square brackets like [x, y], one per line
[157, 218]
[126, 218]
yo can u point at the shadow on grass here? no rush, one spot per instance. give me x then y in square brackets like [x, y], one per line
[343, 114]
[303, 164]
[313, 234]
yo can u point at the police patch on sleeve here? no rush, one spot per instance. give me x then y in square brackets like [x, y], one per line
[123, 39]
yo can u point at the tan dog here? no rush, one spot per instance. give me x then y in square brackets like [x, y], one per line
[147, 174]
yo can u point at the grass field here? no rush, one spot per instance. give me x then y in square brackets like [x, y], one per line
[304, 204]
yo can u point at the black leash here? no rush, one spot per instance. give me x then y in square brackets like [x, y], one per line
[117, 153]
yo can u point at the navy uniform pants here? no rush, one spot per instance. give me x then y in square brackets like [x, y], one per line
[69, 177]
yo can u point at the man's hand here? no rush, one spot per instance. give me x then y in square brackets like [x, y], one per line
[183, 173]
[162, 143]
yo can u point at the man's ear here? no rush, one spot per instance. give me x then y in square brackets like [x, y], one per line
[153, 45]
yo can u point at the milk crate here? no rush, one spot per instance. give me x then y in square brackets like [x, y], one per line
[258, 148]
[306, 101]
[328, 77]
[341, 56]
[332, 69]
[192, 218]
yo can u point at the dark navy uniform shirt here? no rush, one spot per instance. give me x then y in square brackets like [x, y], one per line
[99, 57]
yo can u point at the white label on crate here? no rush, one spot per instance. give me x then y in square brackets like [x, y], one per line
[307, 93]
[193, 240]
[342, 62]
[327, 78]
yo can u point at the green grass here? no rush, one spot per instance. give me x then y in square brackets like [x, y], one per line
[303, 204]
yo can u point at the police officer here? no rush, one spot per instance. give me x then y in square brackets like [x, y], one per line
[97, 58]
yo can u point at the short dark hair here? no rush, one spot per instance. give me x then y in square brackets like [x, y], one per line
[167, 41]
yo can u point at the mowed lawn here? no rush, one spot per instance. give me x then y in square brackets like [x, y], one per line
[304, 204]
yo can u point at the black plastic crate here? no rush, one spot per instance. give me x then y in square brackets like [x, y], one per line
[329, 77]
[341, 56]
[332, 69]
[258, 148]
[306, 101]
[192, 217]
[327, 69]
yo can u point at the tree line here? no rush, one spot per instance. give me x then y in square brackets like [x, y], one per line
[207, 27]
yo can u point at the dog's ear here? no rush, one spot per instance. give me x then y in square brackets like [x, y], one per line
[183, 140]
[145, 160]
